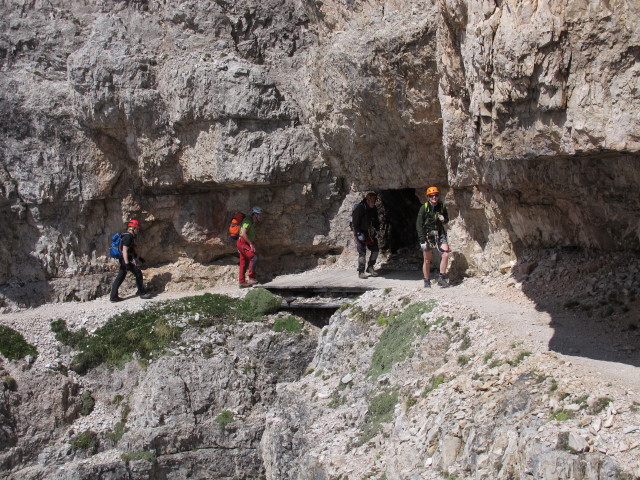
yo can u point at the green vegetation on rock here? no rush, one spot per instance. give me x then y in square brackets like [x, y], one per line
[86, 441]
[148, 332]
[395, 344]
[224, 418]
[381, 408]
[13, 346]
[141, 455]
[288, 324]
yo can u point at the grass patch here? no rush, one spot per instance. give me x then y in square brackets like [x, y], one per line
[141, 455]
[395, 342]
[434, 382]
[519, 358]
[86, 441]
[148, 332]
[13, 346]
[224, 418]
[88, 402]
[380, 411]
[561, 415]
[288, 324]
[119, 428]
[463, 360]
[336, 400]
[599, 405]
[65, 336]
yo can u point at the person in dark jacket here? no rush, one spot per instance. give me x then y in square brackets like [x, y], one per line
[129, 262]
[432, 218]
[366, 224]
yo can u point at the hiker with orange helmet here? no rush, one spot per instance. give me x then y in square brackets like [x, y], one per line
[129, 262]
[432, 218]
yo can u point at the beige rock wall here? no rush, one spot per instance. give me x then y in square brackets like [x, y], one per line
[179, 113]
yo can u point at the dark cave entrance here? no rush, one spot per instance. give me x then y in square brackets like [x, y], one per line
[398, 210]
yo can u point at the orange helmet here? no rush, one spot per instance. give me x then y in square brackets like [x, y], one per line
[133, 223]
[432, 190]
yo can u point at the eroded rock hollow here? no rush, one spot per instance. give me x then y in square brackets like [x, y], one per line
[179, 113]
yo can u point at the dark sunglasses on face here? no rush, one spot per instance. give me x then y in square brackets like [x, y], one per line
[433, 195]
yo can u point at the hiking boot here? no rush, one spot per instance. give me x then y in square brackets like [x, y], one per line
[372, 272]
[116, 299]
[252, 281]
[442, 281]
[145, 296]
[427, 283]
[244, 285]
[362, 275]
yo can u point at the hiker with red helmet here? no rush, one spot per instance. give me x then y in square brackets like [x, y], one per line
[432, 218]
[129, 262]
[247, 248]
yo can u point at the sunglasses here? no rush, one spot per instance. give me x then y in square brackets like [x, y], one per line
[433, 195]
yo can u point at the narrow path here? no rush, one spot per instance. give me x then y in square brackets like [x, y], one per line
[578, 341]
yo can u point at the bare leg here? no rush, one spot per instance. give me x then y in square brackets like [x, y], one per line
[426, 264]
[445, 259]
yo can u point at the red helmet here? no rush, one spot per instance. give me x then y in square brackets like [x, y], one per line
[133, 223]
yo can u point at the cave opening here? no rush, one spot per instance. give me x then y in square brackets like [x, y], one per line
[398, 210]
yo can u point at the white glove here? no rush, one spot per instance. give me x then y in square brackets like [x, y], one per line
[423, 246]
[441, 218]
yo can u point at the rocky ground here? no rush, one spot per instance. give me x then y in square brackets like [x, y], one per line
[561, 326]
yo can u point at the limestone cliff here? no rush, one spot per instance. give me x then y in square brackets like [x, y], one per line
[181, 112]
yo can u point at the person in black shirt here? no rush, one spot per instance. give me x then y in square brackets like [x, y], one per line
[129, 262]
[365, 223]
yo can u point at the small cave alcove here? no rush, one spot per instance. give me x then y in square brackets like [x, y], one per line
[398, 210]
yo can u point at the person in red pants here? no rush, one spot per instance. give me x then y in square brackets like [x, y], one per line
[247, 249]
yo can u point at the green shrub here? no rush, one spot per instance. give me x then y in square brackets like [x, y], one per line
[87, 441]
[224, 418]
[10, 383]
[288, 324]
[65, 336]
[395, 342]
[87, 403]
[256, 303]
[13, 346]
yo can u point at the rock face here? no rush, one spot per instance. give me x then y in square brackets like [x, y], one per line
[170, 411]
[179, 113]
[458, 401]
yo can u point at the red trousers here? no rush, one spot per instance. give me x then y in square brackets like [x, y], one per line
[248, 260]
